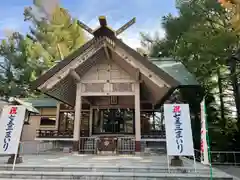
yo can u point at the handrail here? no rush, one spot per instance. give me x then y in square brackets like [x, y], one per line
[221, 157]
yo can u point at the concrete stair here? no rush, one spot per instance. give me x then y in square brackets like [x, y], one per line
[102, 171]
[95, 167]
[104, 176]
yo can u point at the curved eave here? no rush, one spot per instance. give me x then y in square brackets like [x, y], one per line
[172, 82]
[194, 88]
[53, 97]
[51, 72]
[179, 72]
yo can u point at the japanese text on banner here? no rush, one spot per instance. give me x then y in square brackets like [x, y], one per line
[178, 128]
[9, 128]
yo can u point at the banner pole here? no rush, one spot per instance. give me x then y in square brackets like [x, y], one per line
[168, 163]
[19, 144]
[195, 165]
[208, 141]
[14, 162]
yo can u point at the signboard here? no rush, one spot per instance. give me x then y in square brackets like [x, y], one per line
[203, 145]
[12, 119]
[178, 130]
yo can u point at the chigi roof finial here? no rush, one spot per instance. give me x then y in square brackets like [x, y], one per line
[102, 21]
[104, 29]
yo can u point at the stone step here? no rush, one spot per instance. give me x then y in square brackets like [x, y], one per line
[105, 175]
[6, 171]
[104, 168]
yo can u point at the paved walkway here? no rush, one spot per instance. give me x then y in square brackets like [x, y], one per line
[233, 170]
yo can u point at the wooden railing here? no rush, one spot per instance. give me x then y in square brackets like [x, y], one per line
[69, 134]
[54, 134]
[97, 145]
[155, 134]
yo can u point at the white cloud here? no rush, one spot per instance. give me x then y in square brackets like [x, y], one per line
[133, 37]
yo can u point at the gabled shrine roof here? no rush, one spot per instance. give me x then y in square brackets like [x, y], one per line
[173, 73]
[162, 74]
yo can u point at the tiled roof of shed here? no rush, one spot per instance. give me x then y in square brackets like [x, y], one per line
[42, 102]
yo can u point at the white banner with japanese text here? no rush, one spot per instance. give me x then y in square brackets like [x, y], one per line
[178, 130]
[12, 119]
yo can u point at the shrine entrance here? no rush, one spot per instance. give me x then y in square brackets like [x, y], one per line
[113, 121]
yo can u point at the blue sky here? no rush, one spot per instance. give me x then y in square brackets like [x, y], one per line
[148, 15]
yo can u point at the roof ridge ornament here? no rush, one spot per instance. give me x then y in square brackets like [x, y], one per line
[103, 28]
[125, 26]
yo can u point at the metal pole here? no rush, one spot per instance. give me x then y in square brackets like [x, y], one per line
[208, 142]
[235, 160]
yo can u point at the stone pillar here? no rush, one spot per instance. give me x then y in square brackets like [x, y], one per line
[77, 120]
[137, 118]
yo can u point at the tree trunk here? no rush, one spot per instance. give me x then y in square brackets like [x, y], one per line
[221, 95]
[235, 88]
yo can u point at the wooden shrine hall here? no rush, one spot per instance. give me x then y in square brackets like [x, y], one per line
[112, 91]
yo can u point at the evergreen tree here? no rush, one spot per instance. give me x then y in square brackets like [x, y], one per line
[53, 35]
[17, 69]
[54, 32]
[202, 39]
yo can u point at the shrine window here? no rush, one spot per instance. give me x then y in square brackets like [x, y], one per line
[66, 118]
[152, 122]
[48, 121]
[47, 117]
[66, 121]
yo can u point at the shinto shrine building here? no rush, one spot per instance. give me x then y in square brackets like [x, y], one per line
[108, 94]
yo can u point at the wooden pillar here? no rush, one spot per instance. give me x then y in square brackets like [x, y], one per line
[90, 121]
[77, 120]
[137, 118]
[57, 117]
